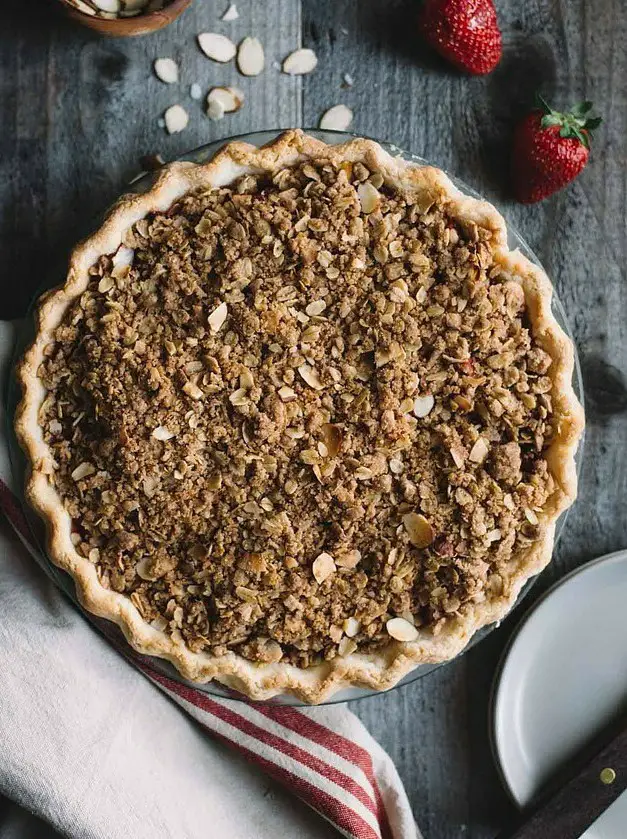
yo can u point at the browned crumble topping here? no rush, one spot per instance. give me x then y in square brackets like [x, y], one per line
[308, 415]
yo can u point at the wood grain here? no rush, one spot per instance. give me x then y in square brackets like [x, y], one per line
[77, 112]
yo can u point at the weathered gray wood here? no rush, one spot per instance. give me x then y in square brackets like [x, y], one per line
[77, 112]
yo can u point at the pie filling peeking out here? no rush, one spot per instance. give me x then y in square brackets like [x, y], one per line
[298, 419]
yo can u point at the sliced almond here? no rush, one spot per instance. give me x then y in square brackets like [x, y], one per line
[239, 397]
[162, 433]
[323, 567]
[418, 529]
[337, 118]
[215, 109]
[479, 451]
[458, 455]
[348, 559]
[423, 405]
[315, 308]
[167, 70]
[310, 376]
[176, 119]
[193, 367]
[83, 470]
[217, 317]
[531, 516]
[231, 13]
[351, 627]
[286, 394]
[369, 197]
[217, 47]
[230, 98]
[401, 630]
[192, 390]
[300, 62]
[250, 57]
[346, 646]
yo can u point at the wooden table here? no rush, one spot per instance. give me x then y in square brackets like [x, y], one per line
[77, 112]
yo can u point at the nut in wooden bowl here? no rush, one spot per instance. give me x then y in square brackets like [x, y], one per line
[124, 17]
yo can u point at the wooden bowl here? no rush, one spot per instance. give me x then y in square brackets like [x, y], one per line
[128, 26]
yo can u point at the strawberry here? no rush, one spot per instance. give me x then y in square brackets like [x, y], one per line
[466, 32]
[550, 149]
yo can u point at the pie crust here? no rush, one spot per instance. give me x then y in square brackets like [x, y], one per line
[382, 668]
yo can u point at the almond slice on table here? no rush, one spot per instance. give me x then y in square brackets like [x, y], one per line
[300, 62]
[167, 70]
[231, 13]
[215, 109]
[217, 47]
[250, 57]
[176, 119]
[337, 118]
[230, 99]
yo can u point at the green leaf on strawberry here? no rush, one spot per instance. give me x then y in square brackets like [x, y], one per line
[550, 149]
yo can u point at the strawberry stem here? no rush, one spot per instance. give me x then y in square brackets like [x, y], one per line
[575, 123]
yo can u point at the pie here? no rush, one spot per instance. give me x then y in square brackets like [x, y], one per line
[298, 419]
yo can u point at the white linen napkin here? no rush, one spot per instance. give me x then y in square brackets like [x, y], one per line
[101, 746]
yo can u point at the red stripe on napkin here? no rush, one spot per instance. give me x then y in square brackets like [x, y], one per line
[228, 714]
[335, 742]
[330, 806]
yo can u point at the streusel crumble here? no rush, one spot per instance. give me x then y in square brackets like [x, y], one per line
[299, 415]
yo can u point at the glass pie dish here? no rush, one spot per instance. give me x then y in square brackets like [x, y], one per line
[141, 185]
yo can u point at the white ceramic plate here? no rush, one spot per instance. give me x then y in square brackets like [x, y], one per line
[563, 678]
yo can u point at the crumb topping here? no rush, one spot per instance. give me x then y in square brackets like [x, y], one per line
[300, 416]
